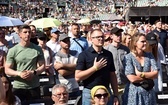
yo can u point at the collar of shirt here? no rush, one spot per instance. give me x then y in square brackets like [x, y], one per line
[92, 50]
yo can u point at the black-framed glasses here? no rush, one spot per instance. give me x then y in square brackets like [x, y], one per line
[100, 95]
[59, 95]
[98, 37]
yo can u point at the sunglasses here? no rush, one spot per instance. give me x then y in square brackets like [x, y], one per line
[100, 95]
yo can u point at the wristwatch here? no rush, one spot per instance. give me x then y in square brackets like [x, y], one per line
[142, 75]
[35, 72]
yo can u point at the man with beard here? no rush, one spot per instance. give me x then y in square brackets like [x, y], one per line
[65, 65]
[78, 43]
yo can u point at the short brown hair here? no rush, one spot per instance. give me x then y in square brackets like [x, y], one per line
[157, 21]
[23, 27]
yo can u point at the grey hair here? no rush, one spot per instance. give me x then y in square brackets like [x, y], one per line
[59, 86]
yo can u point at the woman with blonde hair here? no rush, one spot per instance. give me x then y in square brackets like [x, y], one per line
[126, 39]
[141, 70]
[100, 95]
[132, 29]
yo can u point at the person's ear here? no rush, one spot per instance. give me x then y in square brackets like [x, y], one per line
[52, 97]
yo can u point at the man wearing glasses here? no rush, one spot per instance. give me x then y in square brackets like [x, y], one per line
[60, 94]
[95, 67]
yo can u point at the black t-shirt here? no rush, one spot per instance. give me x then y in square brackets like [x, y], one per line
[34, 40]
[163, 36]
[100, 77]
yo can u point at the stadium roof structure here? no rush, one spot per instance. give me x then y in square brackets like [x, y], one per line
[148, 11]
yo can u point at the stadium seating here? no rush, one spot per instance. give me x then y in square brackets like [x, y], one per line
[46, 84]
[39, 102]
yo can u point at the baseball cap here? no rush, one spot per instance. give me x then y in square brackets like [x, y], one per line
[115, 30]
[55, 30]
[63, 36]
[151, 38]
[41, 36]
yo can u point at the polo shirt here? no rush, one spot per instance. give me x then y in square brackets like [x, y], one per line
[118, 57]
[100, 77]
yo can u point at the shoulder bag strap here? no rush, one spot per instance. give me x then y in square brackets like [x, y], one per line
[78, 44]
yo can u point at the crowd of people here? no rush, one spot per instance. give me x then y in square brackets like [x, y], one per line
[118, 63]
[69, 10]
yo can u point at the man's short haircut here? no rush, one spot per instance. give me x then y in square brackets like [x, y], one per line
[75, 24]
[92, 31]
[157, 21]
[23, 27]
[59, 86]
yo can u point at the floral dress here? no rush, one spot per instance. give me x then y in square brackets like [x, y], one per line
[136, 95]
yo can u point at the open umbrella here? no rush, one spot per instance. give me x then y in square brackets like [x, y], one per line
[8, 21]
[84, 21]
[46, 22]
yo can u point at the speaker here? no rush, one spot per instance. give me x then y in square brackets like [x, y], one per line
[45, 10]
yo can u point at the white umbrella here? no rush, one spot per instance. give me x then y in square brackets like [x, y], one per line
[28, 21]
[46, 22]
[115, 22]
[8, 21]
[84, 21]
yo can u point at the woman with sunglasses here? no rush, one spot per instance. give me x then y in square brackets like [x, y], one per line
[100, 95]
[10, 98]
